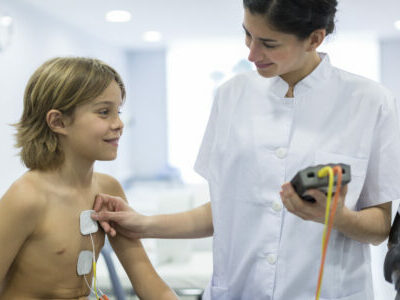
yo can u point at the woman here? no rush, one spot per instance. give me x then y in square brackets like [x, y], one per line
[297, 111]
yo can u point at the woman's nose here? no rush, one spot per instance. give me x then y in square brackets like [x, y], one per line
[255, 53]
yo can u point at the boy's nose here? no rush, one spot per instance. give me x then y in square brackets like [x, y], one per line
[118, 124]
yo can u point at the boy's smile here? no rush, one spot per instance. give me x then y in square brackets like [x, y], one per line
[113, 141]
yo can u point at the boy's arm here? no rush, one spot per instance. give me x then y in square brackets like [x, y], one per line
[19, 212]
[145, 280]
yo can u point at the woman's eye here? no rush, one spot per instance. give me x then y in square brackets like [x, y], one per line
[269, 46]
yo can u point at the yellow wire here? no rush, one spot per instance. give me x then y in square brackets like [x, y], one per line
[94, 267]
[95, 279]
[322, 173]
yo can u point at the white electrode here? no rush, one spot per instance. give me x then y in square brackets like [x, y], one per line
[85, 261]
[87, 224]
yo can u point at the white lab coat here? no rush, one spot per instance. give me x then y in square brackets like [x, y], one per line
[256, 140]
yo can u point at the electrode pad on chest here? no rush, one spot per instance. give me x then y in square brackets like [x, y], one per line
[85, 261]
[86, 258]
[88, 225]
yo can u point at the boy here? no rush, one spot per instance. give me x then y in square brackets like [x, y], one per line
[70, 120]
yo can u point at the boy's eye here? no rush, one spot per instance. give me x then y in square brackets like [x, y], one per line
[104, 112]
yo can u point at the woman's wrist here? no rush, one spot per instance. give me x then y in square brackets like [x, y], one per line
[143, 229]
[149, 227]
[342, 219]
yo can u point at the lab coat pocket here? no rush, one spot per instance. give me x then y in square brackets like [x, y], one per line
[358, 169]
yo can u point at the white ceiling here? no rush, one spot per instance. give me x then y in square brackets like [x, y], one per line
[193, 19]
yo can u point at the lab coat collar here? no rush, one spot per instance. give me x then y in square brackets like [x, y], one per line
[321, 73]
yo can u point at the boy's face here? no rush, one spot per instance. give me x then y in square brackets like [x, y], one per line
[96, 127]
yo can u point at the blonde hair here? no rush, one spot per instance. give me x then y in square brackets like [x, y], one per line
[61, 83]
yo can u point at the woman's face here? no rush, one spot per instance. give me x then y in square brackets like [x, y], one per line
[274, 53]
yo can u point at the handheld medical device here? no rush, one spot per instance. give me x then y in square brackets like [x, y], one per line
[308, 178]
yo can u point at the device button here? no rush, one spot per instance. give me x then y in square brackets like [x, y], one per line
[271, 258]
[281, 152]
[276, 206]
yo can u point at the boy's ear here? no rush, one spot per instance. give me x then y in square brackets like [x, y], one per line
[56, 121]
[316, 38]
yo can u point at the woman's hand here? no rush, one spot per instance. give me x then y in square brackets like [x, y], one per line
[307, 210]
[115, 215]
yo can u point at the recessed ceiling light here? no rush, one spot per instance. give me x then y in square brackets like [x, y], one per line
[6, 21]
[118, 16]
[397, 24]
[152, 36]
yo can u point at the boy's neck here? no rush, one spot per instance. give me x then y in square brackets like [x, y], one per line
[74, 176]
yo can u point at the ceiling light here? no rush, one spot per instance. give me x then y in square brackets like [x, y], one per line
[397, 24]
[6, 31]
[5, 21]
[118, 16]
[152, 36]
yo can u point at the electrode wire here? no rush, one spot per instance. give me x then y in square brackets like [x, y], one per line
[338, 171]
[326, 171]
[94, 268]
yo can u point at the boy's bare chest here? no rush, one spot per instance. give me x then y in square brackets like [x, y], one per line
[61, 232]
[55, 246]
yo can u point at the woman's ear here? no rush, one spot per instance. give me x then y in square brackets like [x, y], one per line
[316, 38]
[56, 121]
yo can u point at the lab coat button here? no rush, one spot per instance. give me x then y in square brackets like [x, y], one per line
[276, 206]
[271, 258]
[281, 152]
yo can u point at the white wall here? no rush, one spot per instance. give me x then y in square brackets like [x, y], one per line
[148, 138]
[38, 37]
[194, 69]
[390, 61]
[356, 52]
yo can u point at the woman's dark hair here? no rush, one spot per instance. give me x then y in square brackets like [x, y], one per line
[298, 17]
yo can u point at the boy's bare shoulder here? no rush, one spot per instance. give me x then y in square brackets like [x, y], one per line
[25, 196]
[109, 185]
